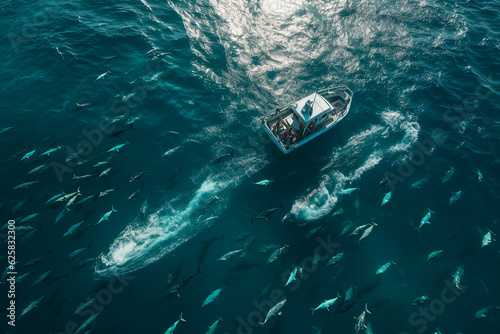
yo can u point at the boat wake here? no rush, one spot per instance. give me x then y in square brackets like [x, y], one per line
[144, 241]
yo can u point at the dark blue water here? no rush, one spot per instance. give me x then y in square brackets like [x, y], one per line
[180, 83]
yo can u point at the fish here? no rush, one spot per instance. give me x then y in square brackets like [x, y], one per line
[221, 157]
[425, 219]
[347, 191]
[86, 199]
[482, 313]
[418, 183]
[448, 175]
[387, 198]
[60, 215]
[266, 214]
[106, 215]
[229, 255]
[83, 306]
[6, 129]
[28, 155]
[327, 303]
[9, 268]
[292, 277]
[347, 228]
[67, 197]
[73, 229]
[211, 329]
[144, 208]
[102, 163]
[335, 259]
[479, 176]
[487, 239]
[213, 296]
[174, 274]
[118, 133]
[38, 169]
[264, 182]
[25, 185]
[420, 300]
[338, 212]
[367, 232]
[42, 277]
[360, 325]
[312, 232]
[359, 229]
[275, 310]
[177, 288]
[457, 278]
[105, 192]
[82, 177]
[171, 329]
[455, 197]
[105, 172]
[18, 206]
[170, 151]
[81, 106]
[135, 177]
[117, 148]
[74, 253]
[134, 194]
[383, 268]
[102, 76]
[31, 306]
[87, 322]
[276, 254]
[435, 255]
[28, 218]
[51, 150]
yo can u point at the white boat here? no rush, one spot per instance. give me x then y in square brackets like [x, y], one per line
[309, 117]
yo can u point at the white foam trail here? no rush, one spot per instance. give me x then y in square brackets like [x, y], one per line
[144, 242]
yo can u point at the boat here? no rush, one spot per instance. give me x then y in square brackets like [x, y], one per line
[307, 118]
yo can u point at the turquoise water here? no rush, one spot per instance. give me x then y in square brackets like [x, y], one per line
[194, 79]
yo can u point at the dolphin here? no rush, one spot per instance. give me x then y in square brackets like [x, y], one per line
[105, 172]
[120, 132]
[81, 106]
[479, 176]
[275, 310]
[455, 197]
[67, 197]
[367, 232]
[420, 300]
[102, 75]
[276, 254]
[219, 158]
[457, 278]
[435, 255]
[229, 255]
[482, 313]
[174, 274]
[487, 239]
[326, 304]
[87, 322]
[387, 198]
[60, 215]
[29, 217]
[106, 215]
[134, 194]
[72, 230]
[338, 212]
[74, 253]
[425, 220]
[135, 177]
[347, 191]
[213, 296]
[31, 306]
[448, 175]
[28, 155]
[52, 150]
[266, 214]
[102, 163]
[117, 147]
[335, 259]
[172, 150]
[83, 306]
[383, 268]
[6, 129]
[292, 277]
[42, 277]
[211, 329]
[25, 185]
[177, 288]
[82, 177]
[360, 325]
[171, 329]
[264, 182]
[38, 169]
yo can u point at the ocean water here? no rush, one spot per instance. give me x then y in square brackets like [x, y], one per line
[166, 87]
